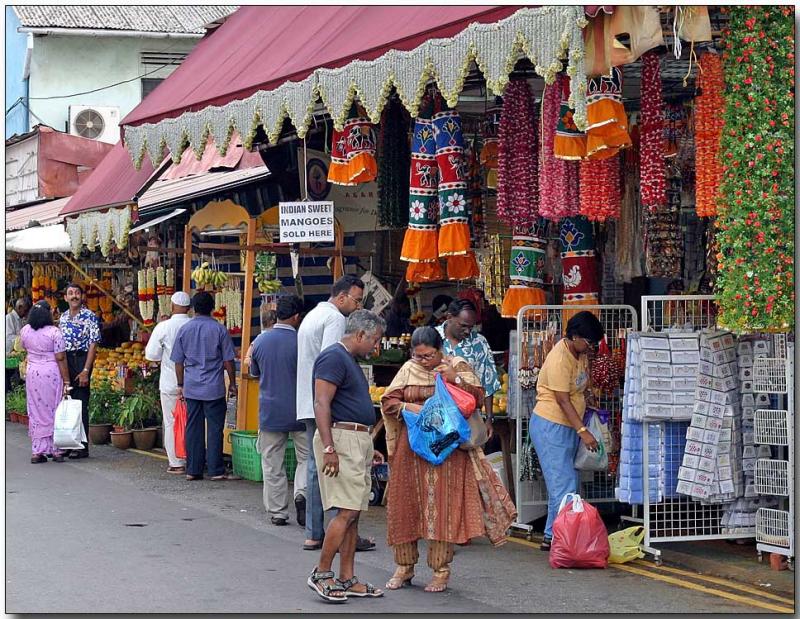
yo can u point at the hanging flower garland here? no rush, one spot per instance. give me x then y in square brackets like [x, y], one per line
[755, 224]
[517, 174]
[558, 178]
[600, 191]
[651, 126]
[708, 124]
[394, 161]
[146, 289]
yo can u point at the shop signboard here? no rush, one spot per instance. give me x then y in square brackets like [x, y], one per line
[356, 206]
[306, 222]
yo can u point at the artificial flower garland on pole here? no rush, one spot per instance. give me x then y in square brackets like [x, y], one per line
[708, 124]
[755, 223]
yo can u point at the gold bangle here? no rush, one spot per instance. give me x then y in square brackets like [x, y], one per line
[582, 429]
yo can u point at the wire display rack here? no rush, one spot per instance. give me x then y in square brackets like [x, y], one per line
[772, 477]
[770, 427]
[773, 527]
[677, 518]
[769, 375]
[539, 327]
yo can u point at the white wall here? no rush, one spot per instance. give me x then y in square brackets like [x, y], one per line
[22, 178]
[63, 65]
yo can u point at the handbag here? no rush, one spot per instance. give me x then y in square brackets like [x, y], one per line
[68, 431]
[465, 401]
[478, 436]
[179, 427]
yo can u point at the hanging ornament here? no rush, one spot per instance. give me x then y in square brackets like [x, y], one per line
[525, 269]
[475, 194]
[607, 131]
[558, 178]
[651, 126]
[394, 159]
[490, 146]
[353, 151]
[600, 194]
[709, 108]
[569, 142]
[579, 264]
[517, 169]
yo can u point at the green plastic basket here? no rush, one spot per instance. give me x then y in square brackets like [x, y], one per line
[247, 461]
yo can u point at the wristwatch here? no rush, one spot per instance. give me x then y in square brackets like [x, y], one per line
[459, 380]
[330, 449]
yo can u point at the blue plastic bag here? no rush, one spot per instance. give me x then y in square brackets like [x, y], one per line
[439, 428]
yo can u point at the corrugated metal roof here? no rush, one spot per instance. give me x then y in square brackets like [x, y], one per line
[45, 213]
[185, 189]
[173, 19]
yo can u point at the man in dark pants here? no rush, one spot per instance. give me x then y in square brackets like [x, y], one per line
[201, 350]
[81, 331]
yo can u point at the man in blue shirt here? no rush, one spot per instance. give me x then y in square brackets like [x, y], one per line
[273, 360]
[201, 349]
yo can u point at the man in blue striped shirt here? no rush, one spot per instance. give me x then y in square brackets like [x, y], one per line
[201, 349]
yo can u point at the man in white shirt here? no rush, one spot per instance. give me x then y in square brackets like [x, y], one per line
[15, 320]
[322, 327]
[159, 348]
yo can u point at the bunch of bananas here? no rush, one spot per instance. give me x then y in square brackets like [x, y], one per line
[266, 271]
[204, 276]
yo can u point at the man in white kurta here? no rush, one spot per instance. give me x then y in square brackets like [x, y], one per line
[159, 348]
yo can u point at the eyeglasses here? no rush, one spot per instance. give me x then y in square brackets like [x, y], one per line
[590, 344]
[359, 302]
[428, 357]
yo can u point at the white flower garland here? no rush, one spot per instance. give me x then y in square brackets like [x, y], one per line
[95, 228]
[546, 35]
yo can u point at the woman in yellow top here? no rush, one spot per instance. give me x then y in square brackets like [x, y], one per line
[556, 426]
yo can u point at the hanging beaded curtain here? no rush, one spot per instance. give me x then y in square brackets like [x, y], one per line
[579, 264]
[394, 161]
[558, 178]
[454, 236]
[708, 124]
[353, 151]
[518, 199]
[420, 243]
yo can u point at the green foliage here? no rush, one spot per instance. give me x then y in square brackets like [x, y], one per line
[16, 400]
[104, 403]
[136, 409]
[755, 225]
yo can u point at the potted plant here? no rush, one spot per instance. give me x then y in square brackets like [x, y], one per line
[140, 406]
[16, 404]
[103, 403]
[122, 436]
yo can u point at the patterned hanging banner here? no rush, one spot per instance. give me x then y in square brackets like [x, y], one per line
[353, 152]
[607, 132]
[579, 264]
[525, 269]
[570, 142]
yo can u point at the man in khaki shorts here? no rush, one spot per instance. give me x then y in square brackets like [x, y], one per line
[343, 448]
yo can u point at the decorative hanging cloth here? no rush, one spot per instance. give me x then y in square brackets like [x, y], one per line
[420, 243]
[558, 178]
[653, 168]
[570, 142]
[600, 193]
[353, 151]
[709, 107]
[394, 159]
[607, 129]
[454, 236]
[579, 264]
[490, 147]
[526, 267]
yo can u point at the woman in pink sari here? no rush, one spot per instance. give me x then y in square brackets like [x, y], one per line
[46, 380]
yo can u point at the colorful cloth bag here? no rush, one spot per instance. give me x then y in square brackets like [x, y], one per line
[353, 152]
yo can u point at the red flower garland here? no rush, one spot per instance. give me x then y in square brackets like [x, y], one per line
[600, 193]
[709, 120]
[517, 159]
[651, 126]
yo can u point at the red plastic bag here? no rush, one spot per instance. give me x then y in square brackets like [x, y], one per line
[580, 538]
[464, 400]
[179, 428]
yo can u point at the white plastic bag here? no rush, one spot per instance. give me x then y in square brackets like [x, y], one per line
[586, 460]
[68, 432]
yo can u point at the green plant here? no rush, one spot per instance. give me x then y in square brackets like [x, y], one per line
[755, 223]
[135, 410]
[16, 401]
[104, 403]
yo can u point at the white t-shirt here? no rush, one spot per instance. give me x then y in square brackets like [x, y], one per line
[322, 327]
[159, 348]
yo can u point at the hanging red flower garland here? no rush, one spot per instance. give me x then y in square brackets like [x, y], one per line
[651, 126]
[600, 192]
[709, 120]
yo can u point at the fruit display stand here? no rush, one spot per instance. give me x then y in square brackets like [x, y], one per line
[119, 365]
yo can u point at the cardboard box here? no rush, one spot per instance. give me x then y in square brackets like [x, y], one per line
[708, 451]
[726, 486]
[695, 434]
[687, 474]
[730, 355]
[723, 460]
[691, 461]
[660, 370]
[684, 370]
[712, 437]
[683, 342]
[706, 368]
[683, 398]
[716, 410]
[713, 423]
[729, 383]
[684, 487]
[745, 361]
[701, 407]
[760, 346]
[684, 384]
[744, 348]
[704, 380]
[654, 341]
[681, 357]
[658, 411]
[700, 491]
[693, 448]
[658, 397]
[657, 383]
[656, 356]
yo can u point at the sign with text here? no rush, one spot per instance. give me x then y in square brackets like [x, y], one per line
[306, 222]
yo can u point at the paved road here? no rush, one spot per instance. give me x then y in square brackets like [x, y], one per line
[115, 533]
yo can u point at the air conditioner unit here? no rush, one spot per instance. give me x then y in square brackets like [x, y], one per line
[95, 122]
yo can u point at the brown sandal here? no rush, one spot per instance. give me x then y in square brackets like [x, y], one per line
[439, 582]
[402, 576]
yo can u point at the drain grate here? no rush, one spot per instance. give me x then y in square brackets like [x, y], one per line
[135, 524]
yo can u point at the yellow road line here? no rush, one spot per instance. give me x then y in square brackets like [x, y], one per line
[650, 573]
[716, 580]
[149, 453]
[702, 589]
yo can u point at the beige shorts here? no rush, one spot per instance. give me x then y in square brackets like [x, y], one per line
[351, 487]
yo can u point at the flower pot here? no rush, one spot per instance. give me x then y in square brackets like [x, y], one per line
[160, 436]
[23, 419]
[99, 433]
[145, 439]
[120, 429]
[14, 417]
[122, 440]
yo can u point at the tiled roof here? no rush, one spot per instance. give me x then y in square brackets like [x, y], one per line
[172, 19]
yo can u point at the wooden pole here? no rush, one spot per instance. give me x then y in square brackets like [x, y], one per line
[247, 319]
[187, 259]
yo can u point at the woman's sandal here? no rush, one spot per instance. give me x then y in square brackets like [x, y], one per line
[402, 576]
[370, 591]
[439, 582]
[324, 590]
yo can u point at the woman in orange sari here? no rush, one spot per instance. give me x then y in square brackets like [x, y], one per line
[447, 504]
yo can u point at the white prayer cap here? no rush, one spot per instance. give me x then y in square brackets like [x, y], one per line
[181, 298]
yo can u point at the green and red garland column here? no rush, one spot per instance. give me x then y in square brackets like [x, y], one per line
[755, 224]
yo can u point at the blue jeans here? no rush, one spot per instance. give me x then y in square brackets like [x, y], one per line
[198, 412]
[315, 515]
[556, 446]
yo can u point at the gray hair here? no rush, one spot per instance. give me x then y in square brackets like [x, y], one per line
[364, 320]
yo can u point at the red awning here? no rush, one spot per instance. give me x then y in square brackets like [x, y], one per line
[113, 183]
[45, 213]
[261, 47]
